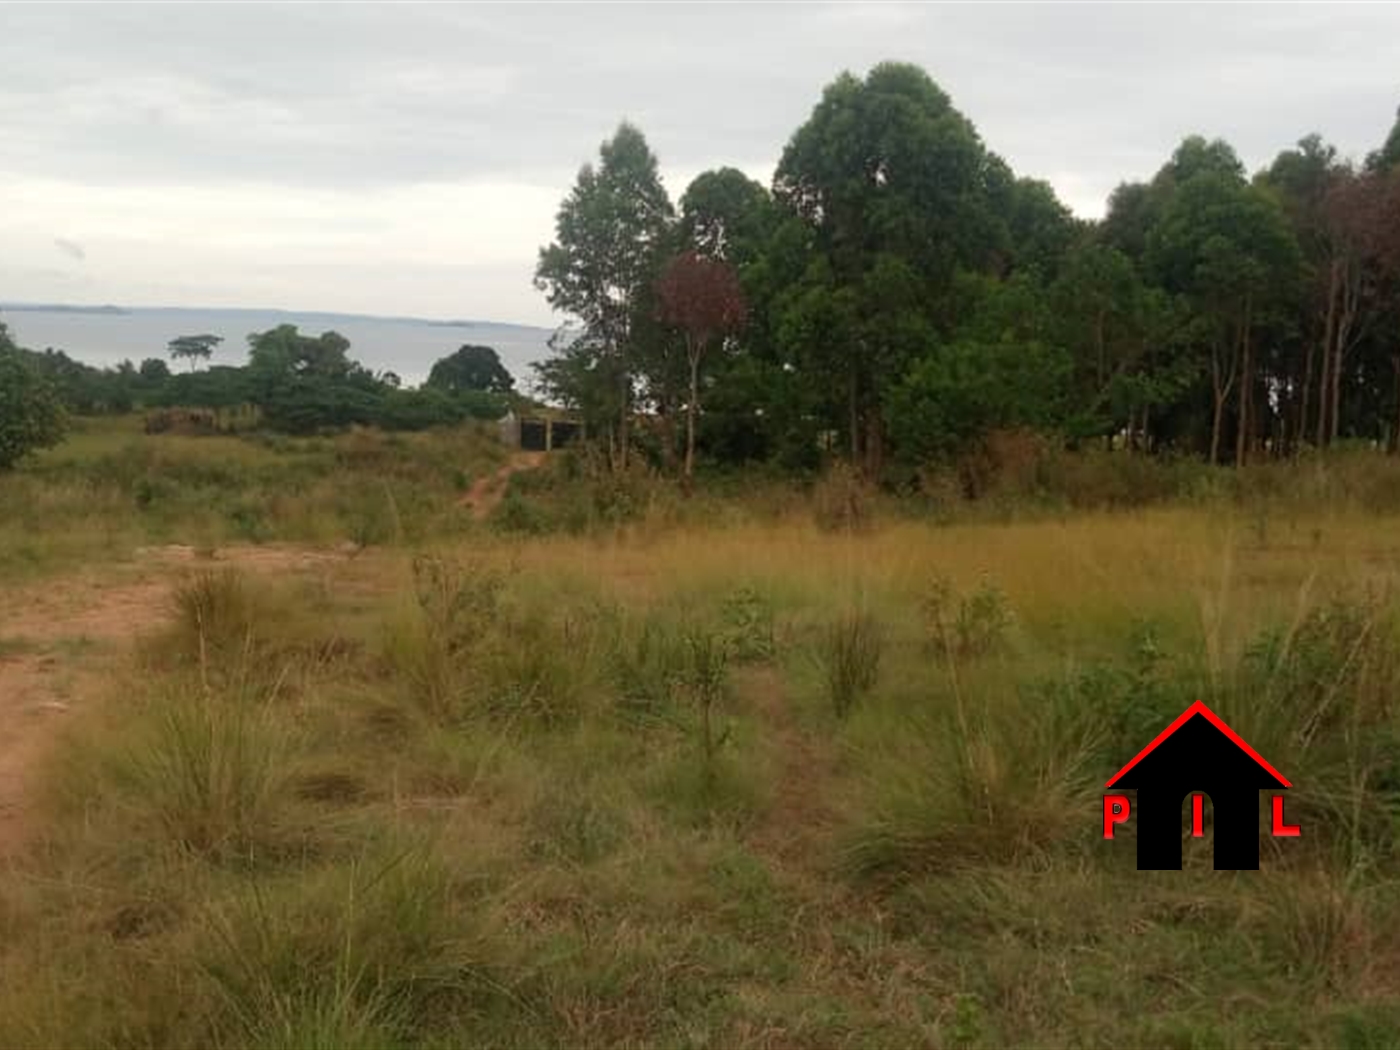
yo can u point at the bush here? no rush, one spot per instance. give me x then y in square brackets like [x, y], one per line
[970, 625]
[31, 415]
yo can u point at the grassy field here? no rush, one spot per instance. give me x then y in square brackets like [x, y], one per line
[354, 768]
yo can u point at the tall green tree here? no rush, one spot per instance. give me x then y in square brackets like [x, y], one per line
[893, 182]
[1226, 246]
[610, 239]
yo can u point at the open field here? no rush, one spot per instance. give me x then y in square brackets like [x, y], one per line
[299, 751]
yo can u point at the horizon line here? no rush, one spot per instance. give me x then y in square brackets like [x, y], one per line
[98, 308]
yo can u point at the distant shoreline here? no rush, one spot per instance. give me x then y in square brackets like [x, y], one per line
[109, 310]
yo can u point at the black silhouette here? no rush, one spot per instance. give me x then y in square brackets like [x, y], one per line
[1198, 752]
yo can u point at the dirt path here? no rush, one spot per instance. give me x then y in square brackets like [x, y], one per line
[58, 637]
[802, 817]
[486, 492]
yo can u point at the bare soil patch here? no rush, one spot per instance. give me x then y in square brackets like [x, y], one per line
[57, 637]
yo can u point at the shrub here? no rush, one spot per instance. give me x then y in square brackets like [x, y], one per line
[971, 625]
[31, 416]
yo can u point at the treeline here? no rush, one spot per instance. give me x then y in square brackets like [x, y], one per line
[292, 382]
[899, 293]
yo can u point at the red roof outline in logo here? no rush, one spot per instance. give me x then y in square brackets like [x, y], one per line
[1199, 708]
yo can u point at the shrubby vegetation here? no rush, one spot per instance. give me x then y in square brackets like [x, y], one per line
[293, 384]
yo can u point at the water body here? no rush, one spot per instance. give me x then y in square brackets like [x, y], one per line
[405, 345]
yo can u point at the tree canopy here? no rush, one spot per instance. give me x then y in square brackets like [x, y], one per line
[471, 368]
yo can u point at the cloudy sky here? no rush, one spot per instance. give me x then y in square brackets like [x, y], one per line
[410, 159]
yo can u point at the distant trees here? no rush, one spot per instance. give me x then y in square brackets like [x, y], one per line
[31, 415]
[193, 348]
[293, 382]
[906, 293]
[471, 368]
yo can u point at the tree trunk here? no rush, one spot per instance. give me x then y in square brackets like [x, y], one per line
[692, 350]
[623, 430]
[1393, 445]
[874, 445]
[854, 420]
[1324, 386]
[1300, 425]
[1246, 388]
[1221, 384]
[1349, 294]
[1215, 428]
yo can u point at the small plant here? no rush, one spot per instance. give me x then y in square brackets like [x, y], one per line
[215, 609]
[967, 1020]
[965, 626]
[706, 672]
[647, 665]
[850, 659]
[434, 644]
[748, 618]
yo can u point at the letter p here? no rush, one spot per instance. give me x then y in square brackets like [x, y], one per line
[1115, 811]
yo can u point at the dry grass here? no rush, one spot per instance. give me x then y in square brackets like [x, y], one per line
[592, 790]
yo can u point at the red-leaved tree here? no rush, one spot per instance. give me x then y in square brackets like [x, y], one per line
[701, 297]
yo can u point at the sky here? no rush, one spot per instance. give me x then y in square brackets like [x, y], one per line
[410, 159]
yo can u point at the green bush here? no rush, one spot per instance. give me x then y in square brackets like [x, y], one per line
[31, 416]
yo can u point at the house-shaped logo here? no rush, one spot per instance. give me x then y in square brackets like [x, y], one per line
[1200, 755]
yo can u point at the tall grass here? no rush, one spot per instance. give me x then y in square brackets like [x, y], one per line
[849, 656]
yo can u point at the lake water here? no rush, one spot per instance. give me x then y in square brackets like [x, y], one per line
[404, 345]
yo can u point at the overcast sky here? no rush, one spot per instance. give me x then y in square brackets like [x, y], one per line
[410, 159]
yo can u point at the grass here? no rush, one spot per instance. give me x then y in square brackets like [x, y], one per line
[518, 789]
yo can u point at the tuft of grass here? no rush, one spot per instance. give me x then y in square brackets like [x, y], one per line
[208, 770]
[216, 609]
[849, 656]
[1005, 783]
[378, 952]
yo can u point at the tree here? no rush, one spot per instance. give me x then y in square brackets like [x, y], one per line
[701, 297]
[31, 415]
[1227, 247]
[1388, 156]
[154, 370]
[893, 183]
[194, 348]
[471, 368]
[727, 215]
[609, 235]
